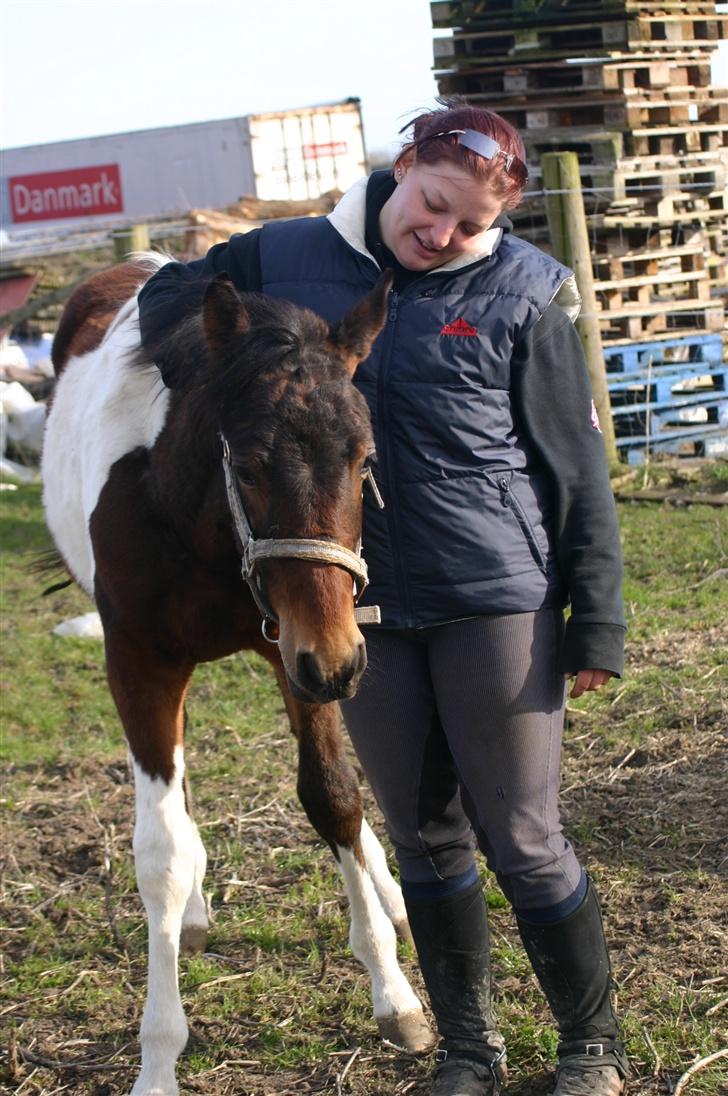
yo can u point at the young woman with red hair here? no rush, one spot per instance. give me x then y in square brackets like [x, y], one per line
[498, 512]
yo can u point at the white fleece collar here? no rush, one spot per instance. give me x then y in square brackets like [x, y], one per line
[349, 220]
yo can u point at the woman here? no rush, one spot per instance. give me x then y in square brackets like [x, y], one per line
[498, 511]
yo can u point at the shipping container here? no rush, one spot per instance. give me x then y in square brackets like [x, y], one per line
[128, 178]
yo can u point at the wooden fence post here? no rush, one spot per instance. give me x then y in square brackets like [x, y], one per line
[134, 238]
[570, 242]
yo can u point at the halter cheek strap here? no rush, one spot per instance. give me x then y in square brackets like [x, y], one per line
[318, 551]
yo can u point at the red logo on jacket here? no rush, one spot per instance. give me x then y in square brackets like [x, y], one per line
[459, 327]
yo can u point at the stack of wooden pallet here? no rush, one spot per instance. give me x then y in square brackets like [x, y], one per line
[627, 86]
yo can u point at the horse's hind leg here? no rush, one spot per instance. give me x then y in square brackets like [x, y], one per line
[329, 792]
[149, 694]
[388, 891]
[195, 923]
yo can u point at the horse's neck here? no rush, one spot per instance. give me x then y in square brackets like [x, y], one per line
[187, 482]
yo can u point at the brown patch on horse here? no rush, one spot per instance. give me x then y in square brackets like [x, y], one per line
[91, 308]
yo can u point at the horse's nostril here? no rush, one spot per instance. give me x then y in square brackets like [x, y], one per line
[309, 674]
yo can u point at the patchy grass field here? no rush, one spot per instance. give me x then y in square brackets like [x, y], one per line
[278, 1005]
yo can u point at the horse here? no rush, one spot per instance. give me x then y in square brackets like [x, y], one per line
[247, 451]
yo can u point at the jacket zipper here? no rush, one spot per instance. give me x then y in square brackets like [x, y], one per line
[509, 500]
[392, 508]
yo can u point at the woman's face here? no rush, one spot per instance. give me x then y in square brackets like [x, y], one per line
[437, 213]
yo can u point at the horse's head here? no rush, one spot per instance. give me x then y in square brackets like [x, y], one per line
[300, 442]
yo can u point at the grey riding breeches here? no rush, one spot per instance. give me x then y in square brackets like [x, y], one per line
[458, 729]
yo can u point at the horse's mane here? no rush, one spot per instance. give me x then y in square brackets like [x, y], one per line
[174, 338]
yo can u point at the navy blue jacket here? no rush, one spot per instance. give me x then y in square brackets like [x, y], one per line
[466, 525]
[484, 513]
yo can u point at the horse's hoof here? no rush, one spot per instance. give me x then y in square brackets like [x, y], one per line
[193, 939]
[410, 1031]
[404, 931]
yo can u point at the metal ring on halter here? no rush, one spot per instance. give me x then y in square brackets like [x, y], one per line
[263, 627]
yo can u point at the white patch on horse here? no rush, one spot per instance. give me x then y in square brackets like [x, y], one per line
[374, 943]
[104, 406]
[165, 856]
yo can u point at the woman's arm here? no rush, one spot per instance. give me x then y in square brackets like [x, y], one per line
[554, 400]
[239, 258]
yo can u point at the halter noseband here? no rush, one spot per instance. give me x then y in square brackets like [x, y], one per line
[319, 551]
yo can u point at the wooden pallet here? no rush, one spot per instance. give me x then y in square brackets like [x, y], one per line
[635, 321]
[668, 208]
[456, 13]
[596, 146]
[659, 264]
[616, 113]
[672, 209]
[619, 295]
[658, 177]
[646, 177]
[500, 81]
[663, 34]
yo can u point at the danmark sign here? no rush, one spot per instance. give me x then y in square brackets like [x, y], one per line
[79, 192]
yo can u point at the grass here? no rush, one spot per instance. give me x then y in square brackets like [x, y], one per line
[277, 1004]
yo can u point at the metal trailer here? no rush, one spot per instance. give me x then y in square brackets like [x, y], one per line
[127, 178]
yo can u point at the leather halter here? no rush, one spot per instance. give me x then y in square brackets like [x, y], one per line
[319, 551]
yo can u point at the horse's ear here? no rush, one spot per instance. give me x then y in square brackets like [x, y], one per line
[353, 335]
[223, 313]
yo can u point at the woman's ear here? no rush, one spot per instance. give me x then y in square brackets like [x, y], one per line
[403, 163]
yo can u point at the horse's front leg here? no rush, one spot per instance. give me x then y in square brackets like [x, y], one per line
[149, 694]
[329, 792]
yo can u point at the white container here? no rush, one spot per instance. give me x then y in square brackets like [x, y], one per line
[128, 178]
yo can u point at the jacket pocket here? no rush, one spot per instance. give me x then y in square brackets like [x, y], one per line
[512, 503]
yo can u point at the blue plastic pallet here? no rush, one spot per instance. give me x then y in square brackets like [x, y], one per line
[634, 357]
[652, 372]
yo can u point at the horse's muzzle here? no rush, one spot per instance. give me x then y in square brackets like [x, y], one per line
[314, 684]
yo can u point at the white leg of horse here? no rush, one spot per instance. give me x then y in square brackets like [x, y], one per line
[195, 923]
[397, 1010]
[388, 890]
[164, 853]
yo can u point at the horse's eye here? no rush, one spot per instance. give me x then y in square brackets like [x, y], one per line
[245, 476]
[366, 466]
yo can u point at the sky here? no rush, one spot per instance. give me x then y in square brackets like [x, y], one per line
[78, 68]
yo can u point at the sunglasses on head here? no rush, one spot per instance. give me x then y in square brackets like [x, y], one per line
[486, 147]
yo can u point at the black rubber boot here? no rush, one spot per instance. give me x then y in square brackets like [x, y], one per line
[451, 936]
[571, 962]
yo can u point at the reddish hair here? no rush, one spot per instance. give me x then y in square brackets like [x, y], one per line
[457, 113]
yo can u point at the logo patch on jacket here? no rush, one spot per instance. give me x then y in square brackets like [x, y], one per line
[459, 327]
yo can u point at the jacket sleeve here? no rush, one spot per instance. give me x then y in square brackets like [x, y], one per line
[239, 258]
[554, 401]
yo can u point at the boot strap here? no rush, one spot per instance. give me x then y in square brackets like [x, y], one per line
[442, 1055]
[613, 1049]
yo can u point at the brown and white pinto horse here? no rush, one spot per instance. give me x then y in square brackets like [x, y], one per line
[135, 497]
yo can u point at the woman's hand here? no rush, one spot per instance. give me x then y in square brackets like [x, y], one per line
[587, 681]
